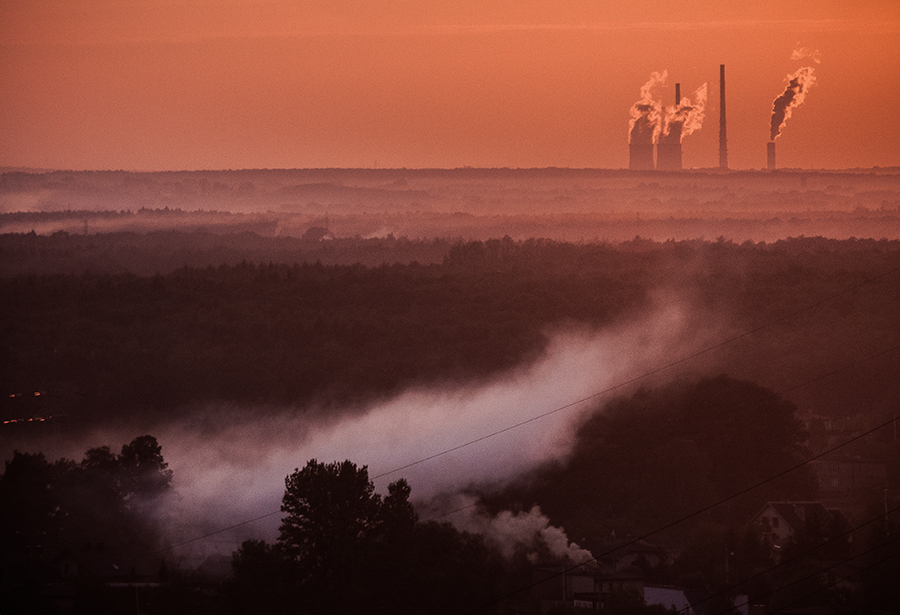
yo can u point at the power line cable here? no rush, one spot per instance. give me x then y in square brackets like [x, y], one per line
[837, 582]
[681, 520]
[643, 376]
[192, 540]
[605, 391]
[797, 557]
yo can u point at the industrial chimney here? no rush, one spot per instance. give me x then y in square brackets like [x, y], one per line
[770, 155]
[668, 151]
[723, 139]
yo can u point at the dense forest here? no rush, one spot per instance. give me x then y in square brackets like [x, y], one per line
[295, 333]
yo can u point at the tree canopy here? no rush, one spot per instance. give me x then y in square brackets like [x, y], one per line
[661, 454]
[343, 548]
[101, 498]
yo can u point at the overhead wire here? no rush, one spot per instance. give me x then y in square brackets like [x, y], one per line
[834, 583]
[689, 516]
[615, 387]
[643, 376]
[786, 562]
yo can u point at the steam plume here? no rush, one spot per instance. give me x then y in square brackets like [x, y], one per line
[685, 117]
[792, 97]
[646, 114]
[524, 532]
[805, 52]
[229, 466]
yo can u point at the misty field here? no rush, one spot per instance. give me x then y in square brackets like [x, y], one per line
[551, 358]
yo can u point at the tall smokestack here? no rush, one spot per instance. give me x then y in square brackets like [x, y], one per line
[677, 94]
[770, 155]
[723, 138]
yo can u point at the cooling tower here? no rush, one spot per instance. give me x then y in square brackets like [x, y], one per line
[668, 151]
[723, 138]
[640, 156]
[770, 155]
[668, 156]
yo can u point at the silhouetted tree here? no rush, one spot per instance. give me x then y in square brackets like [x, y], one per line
[345, 549]
[48, 509]
[333, 527]
[662, 454]
[144, 473]
[261, 581]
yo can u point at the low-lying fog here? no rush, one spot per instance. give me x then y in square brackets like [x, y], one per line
[229, 463]
[563, 204]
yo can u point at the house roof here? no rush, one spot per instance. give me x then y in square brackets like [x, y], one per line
[797, 514]
[104, 564]
[620, 548]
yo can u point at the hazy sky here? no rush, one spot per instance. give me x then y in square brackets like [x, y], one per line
[218, 84]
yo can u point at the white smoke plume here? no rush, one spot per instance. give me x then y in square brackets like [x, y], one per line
[524, 532]
[232, 465]
[229, 464]
[686, 116]
[646, 114]
[805, 52]
[793, 96]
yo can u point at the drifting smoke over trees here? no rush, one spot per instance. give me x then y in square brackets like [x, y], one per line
[104, 346]
[345, 549]
[663, 454]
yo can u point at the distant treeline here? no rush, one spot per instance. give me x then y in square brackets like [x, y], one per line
[163, 251]
[306, 333]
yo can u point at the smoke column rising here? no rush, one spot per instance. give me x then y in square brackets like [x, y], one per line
[792, 97]
[509, 531]
[646, 114]
[685, 117]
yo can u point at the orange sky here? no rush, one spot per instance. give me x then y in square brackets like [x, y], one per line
[217, 84]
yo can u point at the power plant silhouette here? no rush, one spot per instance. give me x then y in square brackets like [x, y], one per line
[668, 150]
[656, 131]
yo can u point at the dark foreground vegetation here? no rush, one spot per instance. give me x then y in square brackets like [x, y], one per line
[82, 350]
[87, 537]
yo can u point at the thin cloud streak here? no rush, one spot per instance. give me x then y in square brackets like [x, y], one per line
[114, 37]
